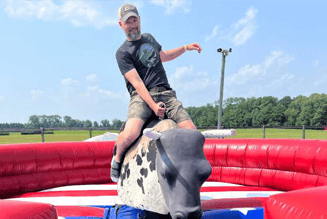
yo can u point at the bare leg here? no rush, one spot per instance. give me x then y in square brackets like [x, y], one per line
[130, 133]
[187, 124]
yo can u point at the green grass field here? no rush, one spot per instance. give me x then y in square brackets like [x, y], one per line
[59, 136]
[280, 133]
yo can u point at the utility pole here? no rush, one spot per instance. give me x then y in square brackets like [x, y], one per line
[224, 54]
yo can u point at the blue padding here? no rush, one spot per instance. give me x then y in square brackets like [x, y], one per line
[101, 206]
[83, 217]
[255, 214]
[233, 214]
[106, 213]
[125, 212]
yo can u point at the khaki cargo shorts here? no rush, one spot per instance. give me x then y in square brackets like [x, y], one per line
[138, 108]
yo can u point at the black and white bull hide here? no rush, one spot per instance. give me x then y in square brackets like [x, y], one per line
[164, 174]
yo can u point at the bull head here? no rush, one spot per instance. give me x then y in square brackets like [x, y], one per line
[182, 169]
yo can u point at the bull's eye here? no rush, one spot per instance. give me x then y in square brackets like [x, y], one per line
[203, 177]
[170, 177]
[204, 172]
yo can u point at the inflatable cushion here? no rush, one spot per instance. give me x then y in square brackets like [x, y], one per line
[301, 204]
[21, 209]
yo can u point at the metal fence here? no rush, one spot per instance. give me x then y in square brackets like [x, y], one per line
[264, 127]
[43, 131]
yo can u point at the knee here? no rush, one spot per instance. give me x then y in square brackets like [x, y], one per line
[133, 135]
[130, 135]
[191, 126]
[188, 124]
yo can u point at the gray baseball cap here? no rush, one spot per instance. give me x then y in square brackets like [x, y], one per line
[126, 11]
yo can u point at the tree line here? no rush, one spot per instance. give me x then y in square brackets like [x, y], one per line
[238, 112]
[55, 121]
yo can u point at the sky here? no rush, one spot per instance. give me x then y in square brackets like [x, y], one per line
[58, 57]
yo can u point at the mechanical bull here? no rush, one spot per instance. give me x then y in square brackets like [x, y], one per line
[163, 171]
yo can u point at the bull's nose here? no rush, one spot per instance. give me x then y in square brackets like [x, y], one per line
[190, 215]
[196, 214]
[179, 215]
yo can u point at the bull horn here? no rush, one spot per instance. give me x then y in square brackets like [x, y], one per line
[150, 133]
[219, 133]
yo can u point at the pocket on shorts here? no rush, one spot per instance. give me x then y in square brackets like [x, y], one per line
[175, 109]
[138, 108]
[168, 94]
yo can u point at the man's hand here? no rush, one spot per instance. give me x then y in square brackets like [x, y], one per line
[160, 109]
[194, 46]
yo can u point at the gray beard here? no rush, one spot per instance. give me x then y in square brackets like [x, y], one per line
[134, 36]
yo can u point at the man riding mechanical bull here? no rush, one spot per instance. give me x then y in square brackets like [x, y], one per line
[140, 59]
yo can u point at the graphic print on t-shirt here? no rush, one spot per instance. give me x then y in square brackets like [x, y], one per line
[148, 55]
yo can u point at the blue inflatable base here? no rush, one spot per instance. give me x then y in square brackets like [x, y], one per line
[126, 212]
[256, 213]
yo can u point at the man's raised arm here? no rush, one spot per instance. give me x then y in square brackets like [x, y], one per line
[174, 53]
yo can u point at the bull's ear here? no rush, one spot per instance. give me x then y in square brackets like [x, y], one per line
[150, 133]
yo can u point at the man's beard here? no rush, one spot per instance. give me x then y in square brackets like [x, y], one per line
[134, 36]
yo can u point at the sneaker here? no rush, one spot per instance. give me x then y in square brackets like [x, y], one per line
[115, 170]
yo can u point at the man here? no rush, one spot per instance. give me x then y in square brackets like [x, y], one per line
[140, 60]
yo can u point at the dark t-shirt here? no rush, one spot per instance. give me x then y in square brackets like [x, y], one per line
[144, 56]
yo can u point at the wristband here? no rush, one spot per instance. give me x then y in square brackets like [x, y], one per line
[185, 47]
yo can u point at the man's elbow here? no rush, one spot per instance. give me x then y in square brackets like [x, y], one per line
[163, 59]
[163, 56]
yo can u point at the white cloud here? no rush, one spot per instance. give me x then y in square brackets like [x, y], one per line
[172, 5]
[92, 78]
[243, 35]
[92, 88]
[36, 94]
[299, 85]
[280, 81]
[315, 63]
[245, 27]
[244, 74]
[69, 82]
[321, 77]
[277, 57]
[79, 13]
[214, 33]
[194, 88]
[138, 3]
[70, 88]
[250, 72]
[2, 97]
[96, 93]
[240, 31]
[275, 85]
[106, 92]
[185, 79]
